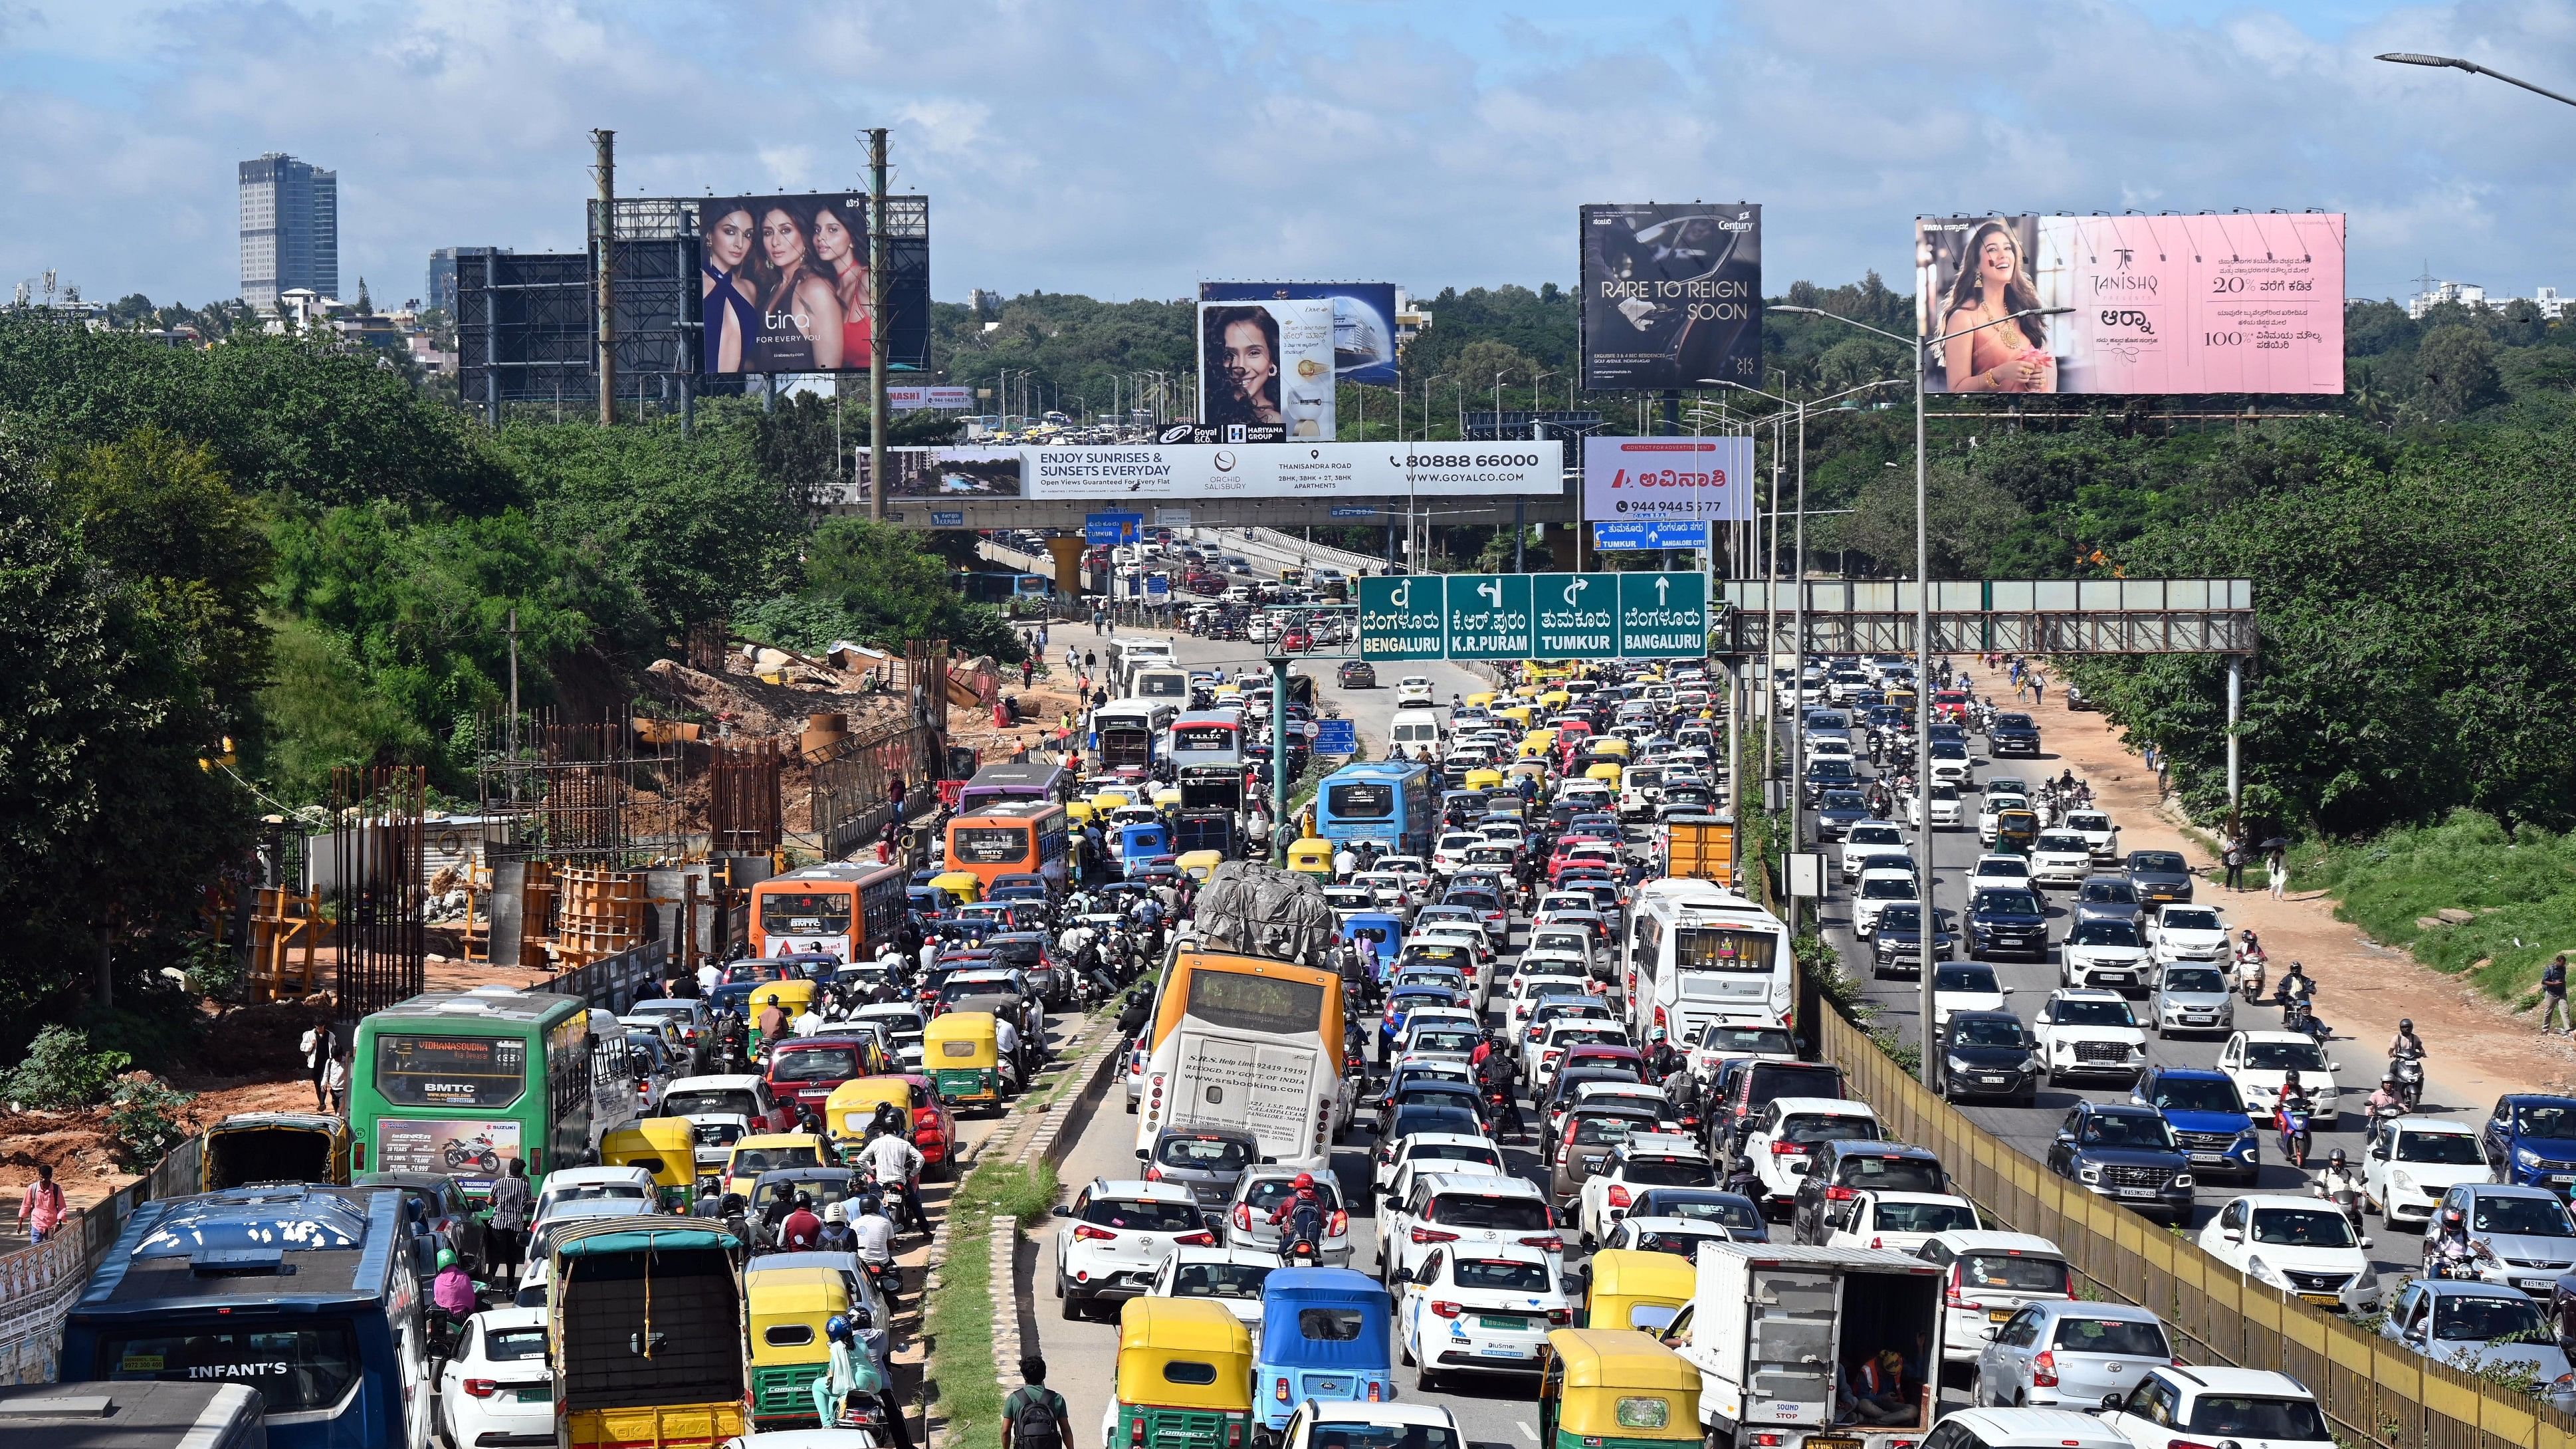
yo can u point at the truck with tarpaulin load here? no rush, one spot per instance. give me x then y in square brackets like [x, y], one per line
[644, 1327]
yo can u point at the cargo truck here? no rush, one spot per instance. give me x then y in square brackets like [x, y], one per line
[1773, 1329]
[1699, 847]
[645, 1328]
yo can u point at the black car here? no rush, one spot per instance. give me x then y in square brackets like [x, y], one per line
[2126, 1153]
[2106, 898]
[1827, 774]
[1989, 1054]
[1839, 811]
[2002, 919]
[2012, 734]
[2158, 875]
[1899, 939]
[1356, 674]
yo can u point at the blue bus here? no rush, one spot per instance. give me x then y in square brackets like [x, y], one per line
[313, 1296]
[1014, 780]
[1388, 801]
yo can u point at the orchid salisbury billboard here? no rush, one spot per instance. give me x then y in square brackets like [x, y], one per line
[2239, 302]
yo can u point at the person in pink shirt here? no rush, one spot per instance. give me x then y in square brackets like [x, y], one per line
[41, 1208]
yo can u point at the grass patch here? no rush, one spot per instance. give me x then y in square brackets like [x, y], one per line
[959, 1317]
[2522, 884]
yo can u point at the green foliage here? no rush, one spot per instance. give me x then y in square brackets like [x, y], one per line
[889, 591]
[144, 1123]
[61, 1071]
[2521, 884]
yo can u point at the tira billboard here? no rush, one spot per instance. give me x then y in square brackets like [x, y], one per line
[1266, 371]
[2220, 303]
[1672, 295]
[1363, 320]
[1647, 480]
[1318, 470]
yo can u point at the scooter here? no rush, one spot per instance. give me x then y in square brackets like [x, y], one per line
[2346, 1200]
[2409, 1072]
[2302, 1018]
[2249, 973]
[2293, 1128]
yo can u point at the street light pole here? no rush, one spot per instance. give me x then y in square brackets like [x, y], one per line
[1412, 498]
[2406, 57]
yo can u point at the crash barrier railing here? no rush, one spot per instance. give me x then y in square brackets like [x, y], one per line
[39, 1282]
[2373, 1390]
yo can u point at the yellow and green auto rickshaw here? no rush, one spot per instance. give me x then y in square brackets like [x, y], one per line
[961, 886]
[770, 1152]
[792, 996]
[961, 1053]
[254, 1147]
[1482, 779]
[1624, 1280]
[789, 1350]
[1312, 856]
[666, 1147]
[1613, 1388]
[1184, 1376]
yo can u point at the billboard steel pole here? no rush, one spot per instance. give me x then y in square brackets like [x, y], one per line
[877, 331]
[606, 144]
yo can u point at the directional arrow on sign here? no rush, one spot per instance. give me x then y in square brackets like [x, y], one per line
[1663, 588]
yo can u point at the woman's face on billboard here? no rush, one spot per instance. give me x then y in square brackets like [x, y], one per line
[729, 240]
[781, 240]
[1247, 358]
[1997, 259]
[832, 240]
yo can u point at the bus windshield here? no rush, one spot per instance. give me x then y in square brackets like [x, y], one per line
[451, 1071]
[309, 1365]
[989, 844]
[1365, 800]
[811, 913]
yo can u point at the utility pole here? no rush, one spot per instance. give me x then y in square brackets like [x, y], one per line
[606, 142]
[876, 323]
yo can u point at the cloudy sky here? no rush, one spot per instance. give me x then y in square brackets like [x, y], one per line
[1132, 147]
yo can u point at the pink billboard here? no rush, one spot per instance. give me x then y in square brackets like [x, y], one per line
[2214, 303]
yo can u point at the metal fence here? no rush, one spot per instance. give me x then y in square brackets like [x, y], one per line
[2375, 1391]
[852, 798]
[39, 1282]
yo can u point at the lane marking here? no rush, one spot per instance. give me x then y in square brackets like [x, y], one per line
[1526, 1431]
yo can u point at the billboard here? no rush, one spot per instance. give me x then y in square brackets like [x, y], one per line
[1266, 371]
[2239, 302]
[1651, 480]
[1672, 295]
[940, 473]
[1363, 321]
[783, 286]
[1313, 470]
[941, 399]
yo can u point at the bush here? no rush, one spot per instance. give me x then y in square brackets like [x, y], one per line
[2521, 883]
[143, 1123]
[62, 1072]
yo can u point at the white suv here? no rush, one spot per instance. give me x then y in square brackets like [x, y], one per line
[1470, 1213]
[2060, 858]
[1868, 838]
[2215, 1404]
[1871, 897]
[2083, 1032]
[1786, 1135]
[1118, 1233]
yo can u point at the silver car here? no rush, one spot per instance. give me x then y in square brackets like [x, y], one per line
[2097, 1352]
[1206, 1160]
[1260, 1192]
[2191, 996]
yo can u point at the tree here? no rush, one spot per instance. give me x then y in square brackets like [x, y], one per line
[886, 590]
[2459, 371]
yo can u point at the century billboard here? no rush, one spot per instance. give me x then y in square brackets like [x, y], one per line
[783, 286]
[2219, 303]
[1649, 480]
[1183, 471]
[1672, 295]
[1266, 371]
[1363, 320]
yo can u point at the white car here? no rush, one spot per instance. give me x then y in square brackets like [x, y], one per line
[1872, 895]
[1231, 1276]
[1386, 888]
[1118, 1232]
[2082, 1032]
[2103, 953]
[2299, 1244]
[1487, 1309]
[1945, 807]
[1560, 943]
[1786, 1133]
[2183, 932]
[1567, 1032]
[1449, 853]
[903, 1024]
[1999, 869]
[1829, 747]
[1992, 1276]
[1721, 1040]
[1646, 1159]
[1471, 1212]
[1352, 1423]
[1950, 763]
[1413, 689]
[1902, 1221]
[1992, 803]
[2256, 1407]
[2412, 1161]
[2060, 858]
[1546, 978]
[2098, 832]
[1427, 1147]
[589, 1184]
[499, 1387]
[2256, 1061]
[1868, 838]
[1964, 986]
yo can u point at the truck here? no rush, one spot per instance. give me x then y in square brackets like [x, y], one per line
[1699, 847]
[1194, 830]
[1769, 1326]
[645, 1330]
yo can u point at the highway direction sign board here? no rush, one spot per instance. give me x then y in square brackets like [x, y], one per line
[1403, 618]
[1663, 616]
[1534, 616]
[1489, 616]
[1337, 737]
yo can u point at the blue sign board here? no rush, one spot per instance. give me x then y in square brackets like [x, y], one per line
[1618, 537]
[1110, 528]
[1674, 533]
[1156, 585]
[939, 519]
[1351, 511]
[1337, 737]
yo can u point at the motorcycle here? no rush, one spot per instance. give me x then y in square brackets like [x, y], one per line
[2292, 1125]
[887, 1276]
[2302, 1018]
[2451, 1260]
[2409, 1072]
[1301, 1254]
[2346, 1200]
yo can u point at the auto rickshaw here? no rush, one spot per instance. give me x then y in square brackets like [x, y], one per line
[666, 1147]
[1481, 699]
[1109, 800]
[963, 887]
[1181, 1363]
[1167, 801]
[1630, 1289]
[768, 1152]
[1535, 769]
[250, 1147]
[1554, 700]
[2016, 831]
[854, 1103]
[1605, 771]
[1538, 744]
[1079, 813]
[1325, 1334]
[792, 997]
[787, 1308]
[1199, 864]
[1313, 857]
[1519, 714]
[1483, 779]
[1612, 1388]
[961, 1052]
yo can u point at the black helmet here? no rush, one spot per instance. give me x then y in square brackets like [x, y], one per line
[805, 1201]
[2405, 1023]
[2335, 1158]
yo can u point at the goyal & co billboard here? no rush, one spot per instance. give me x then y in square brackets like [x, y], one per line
[1661, 479]
[1672, 295]
[2158, 304]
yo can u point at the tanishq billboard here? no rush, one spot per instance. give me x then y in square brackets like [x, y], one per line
[2158, 304]
[1672, 295]
[1266, 371]
[1656, 479]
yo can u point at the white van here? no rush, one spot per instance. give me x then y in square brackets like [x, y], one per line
[1416, 729]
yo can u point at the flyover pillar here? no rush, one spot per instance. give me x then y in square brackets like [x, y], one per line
[1067, 552]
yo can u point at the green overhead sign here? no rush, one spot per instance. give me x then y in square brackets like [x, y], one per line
[1534, 616]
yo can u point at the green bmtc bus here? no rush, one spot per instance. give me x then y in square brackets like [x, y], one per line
[461, 1082]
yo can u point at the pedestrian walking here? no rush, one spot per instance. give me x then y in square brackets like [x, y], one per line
[40, 1207]
[1028, 672]
[2279, 868]
[2553, 995]
[1035, 1416]
[335, 1078]
[505, 1238]
[2231, 854]
[2038, 688]
[316, 1047]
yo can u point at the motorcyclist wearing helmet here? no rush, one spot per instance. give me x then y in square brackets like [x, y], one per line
[801, 1229]
[1301, 1213]
[2406, 1045]
[2446, 1240]
[2338, 1178]
[853, 1372]
[2386, 1097]
[1660, 1054]
[1498, 1074]
[2294, 985]
[2293, 1097]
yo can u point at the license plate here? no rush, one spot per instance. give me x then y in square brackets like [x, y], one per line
[1509, 1322]
[1499, 1353]
[2322, 1300]
[1328, 1386]
[1997, 1315]
[1994, 1079]
[2137, 1192]
[1818, 1441]
[536, 1396]
[2208, 1159]
[2113, 975]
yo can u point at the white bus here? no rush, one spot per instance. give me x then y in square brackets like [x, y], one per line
[1697, 952]
[1238, 1041]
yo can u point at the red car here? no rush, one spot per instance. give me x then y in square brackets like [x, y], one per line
[934, 1131]
[804, 1070]
[1950, 704]
[1296, 641]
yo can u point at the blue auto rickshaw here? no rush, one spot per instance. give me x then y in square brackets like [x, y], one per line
[1326, 1334]
[1376, 936]
[1143, 841]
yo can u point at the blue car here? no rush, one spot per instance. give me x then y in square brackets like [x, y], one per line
[1326, 1334]
[2207, 1117]
[1401, 1001]
[2530, 1141]
[2004, 919]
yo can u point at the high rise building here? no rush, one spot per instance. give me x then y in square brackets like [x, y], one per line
[442, 273]
[290, 229]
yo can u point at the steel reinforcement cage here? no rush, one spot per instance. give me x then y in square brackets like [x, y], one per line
[2373, 1390]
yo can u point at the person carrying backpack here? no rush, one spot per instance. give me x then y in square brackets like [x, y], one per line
[1034, 1416]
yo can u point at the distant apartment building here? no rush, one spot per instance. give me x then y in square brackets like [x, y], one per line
[290, 229]
[442, 273]
[2473, 296]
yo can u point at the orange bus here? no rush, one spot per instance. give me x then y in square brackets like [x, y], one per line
[1015, 837]
[846, 908]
